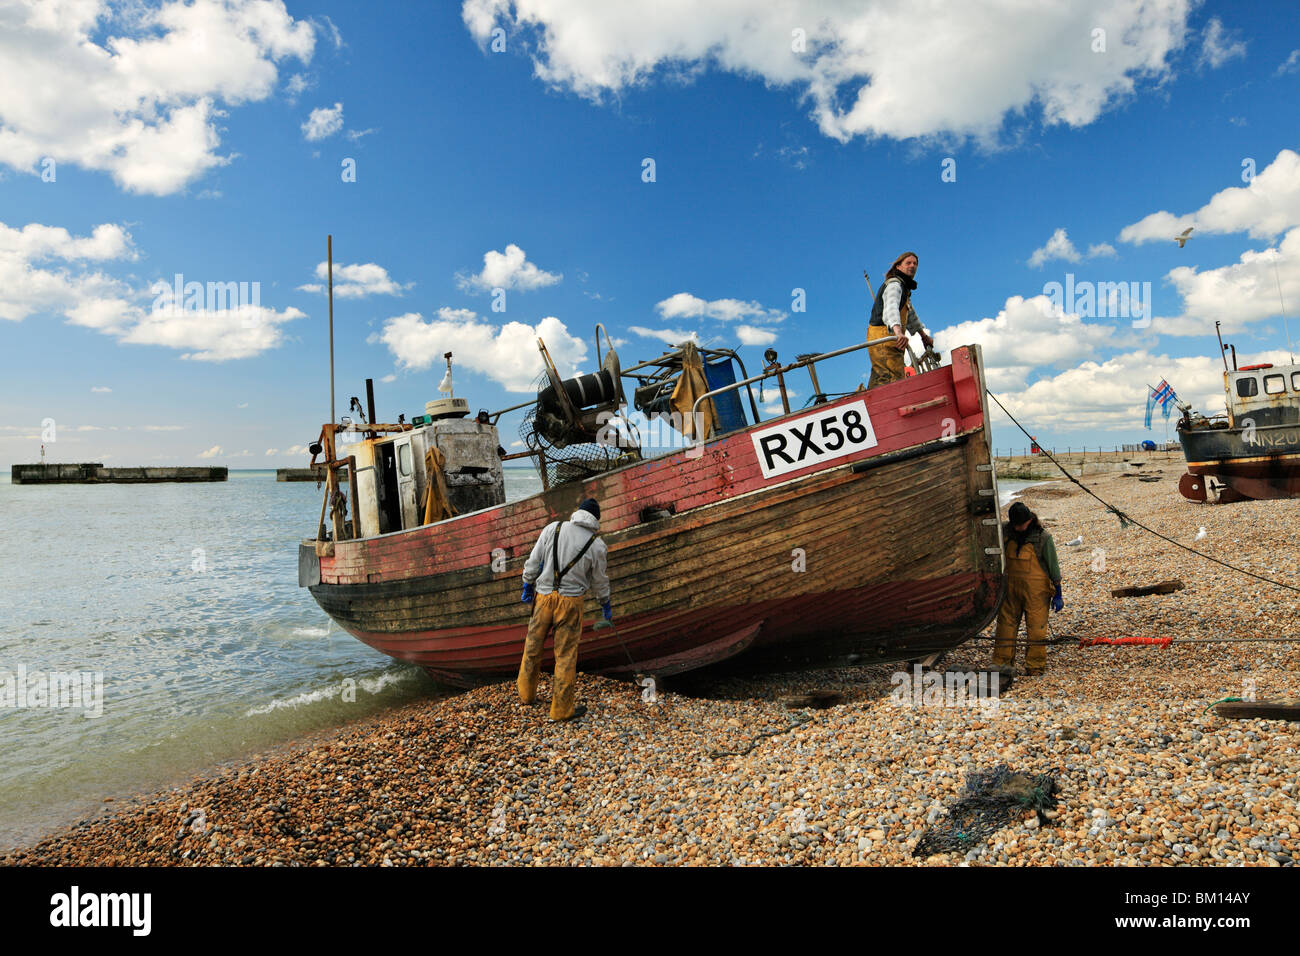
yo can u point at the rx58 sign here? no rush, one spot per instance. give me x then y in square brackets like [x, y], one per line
[812, 439]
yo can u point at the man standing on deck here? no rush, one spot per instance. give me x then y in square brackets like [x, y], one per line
[572, 549]
[893, 307]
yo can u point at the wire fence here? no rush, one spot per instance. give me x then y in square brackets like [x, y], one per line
[1162, 450]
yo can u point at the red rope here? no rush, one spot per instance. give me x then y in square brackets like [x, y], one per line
[1160, 641]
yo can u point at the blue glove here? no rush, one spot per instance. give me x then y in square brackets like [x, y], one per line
[609, 611]
[1058, 602]
[529, 593]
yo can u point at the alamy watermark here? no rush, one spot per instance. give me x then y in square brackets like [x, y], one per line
[179, 296]
[1101, 300]
[82, 690]
[661, 432]
[922, 688]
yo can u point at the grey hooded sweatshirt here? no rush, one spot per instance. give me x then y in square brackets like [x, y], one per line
[587, 575]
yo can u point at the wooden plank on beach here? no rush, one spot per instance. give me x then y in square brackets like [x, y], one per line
[1164, 587]
[1266, 709]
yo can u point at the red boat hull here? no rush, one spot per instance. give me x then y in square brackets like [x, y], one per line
[886, 553]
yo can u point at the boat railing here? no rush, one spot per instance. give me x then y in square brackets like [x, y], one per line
[776, 370]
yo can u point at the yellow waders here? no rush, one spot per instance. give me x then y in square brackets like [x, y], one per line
[886, 360]
[565, 613]
[1029, 592]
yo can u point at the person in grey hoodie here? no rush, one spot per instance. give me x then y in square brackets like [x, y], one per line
[572, 549]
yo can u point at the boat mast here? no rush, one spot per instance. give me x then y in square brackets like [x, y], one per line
[329, 258]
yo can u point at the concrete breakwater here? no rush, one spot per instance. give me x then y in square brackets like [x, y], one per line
[91, 473]
[1041, 468]
[316, 473]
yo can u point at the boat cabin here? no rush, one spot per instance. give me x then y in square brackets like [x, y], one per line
[1267, 394]
[393, 477]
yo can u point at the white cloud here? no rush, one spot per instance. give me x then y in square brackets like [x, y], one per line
[506, 354]
[668, 336]
[1026, 334]
[297, 450]
[212, 335]
[44, 269]
[1111, 395]
[139, 100]
[356, 135]
[1266, 206]
[1059, 246]
[389, 378]
[104, 389]
[508, 270]
[323, 122]
[683, 305]
[752, 336]
[212, 452]
[1237, 294]
[1290, 65]
[1217, 48]
[356, 281]
[296, 86]
[871, 68]
[272, 451]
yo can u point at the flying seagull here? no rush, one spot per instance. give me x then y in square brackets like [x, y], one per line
[1182, 239]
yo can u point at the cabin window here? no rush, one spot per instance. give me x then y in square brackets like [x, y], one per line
[404, 460]
[1247, 386]
[1274, 384]
[1295, 381]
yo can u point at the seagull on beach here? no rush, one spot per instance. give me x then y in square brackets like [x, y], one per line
[1075, 543]
[1182, 237]
[1200, 534]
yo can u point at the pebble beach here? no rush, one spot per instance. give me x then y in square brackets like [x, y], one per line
[729, 771]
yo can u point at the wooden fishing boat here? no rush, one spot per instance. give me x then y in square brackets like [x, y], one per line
[863, 528]
[1253, 450]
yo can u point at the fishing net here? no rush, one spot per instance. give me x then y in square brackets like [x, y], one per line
[575, 461]
[991, 800]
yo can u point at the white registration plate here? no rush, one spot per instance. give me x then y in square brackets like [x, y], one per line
[812, 439]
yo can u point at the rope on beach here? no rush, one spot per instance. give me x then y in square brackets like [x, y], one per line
[1159, 641]
[1126, 519]
[753, 744]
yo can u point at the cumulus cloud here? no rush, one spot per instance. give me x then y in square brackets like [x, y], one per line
[1027, 334]
[356, 281]
[1111, 395]
[873, 68]
[506, 354]
[1249, 290]
[212, 452]
[1290, 65]
[212, 335]
[323, 122]
[683, 305]
[668, 336]
[749, 335]
[46, 269]
[43, 270]
[1217, 47]
[1059, 246]
[132, 89]
[1267, 205]
[508, 270]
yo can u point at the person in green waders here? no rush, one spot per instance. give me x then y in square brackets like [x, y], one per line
[573, 548]
[1033, 584]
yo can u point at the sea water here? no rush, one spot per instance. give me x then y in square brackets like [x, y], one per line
[181, 603]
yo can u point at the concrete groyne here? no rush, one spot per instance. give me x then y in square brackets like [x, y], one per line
[1041, 468]
[307, 474]
[94, 473]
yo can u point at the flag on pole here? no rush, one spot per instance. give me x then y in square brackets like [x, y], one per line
[1162, 395]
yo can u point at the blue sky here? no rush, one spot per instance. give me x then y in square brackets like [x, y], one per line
[210, 139]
